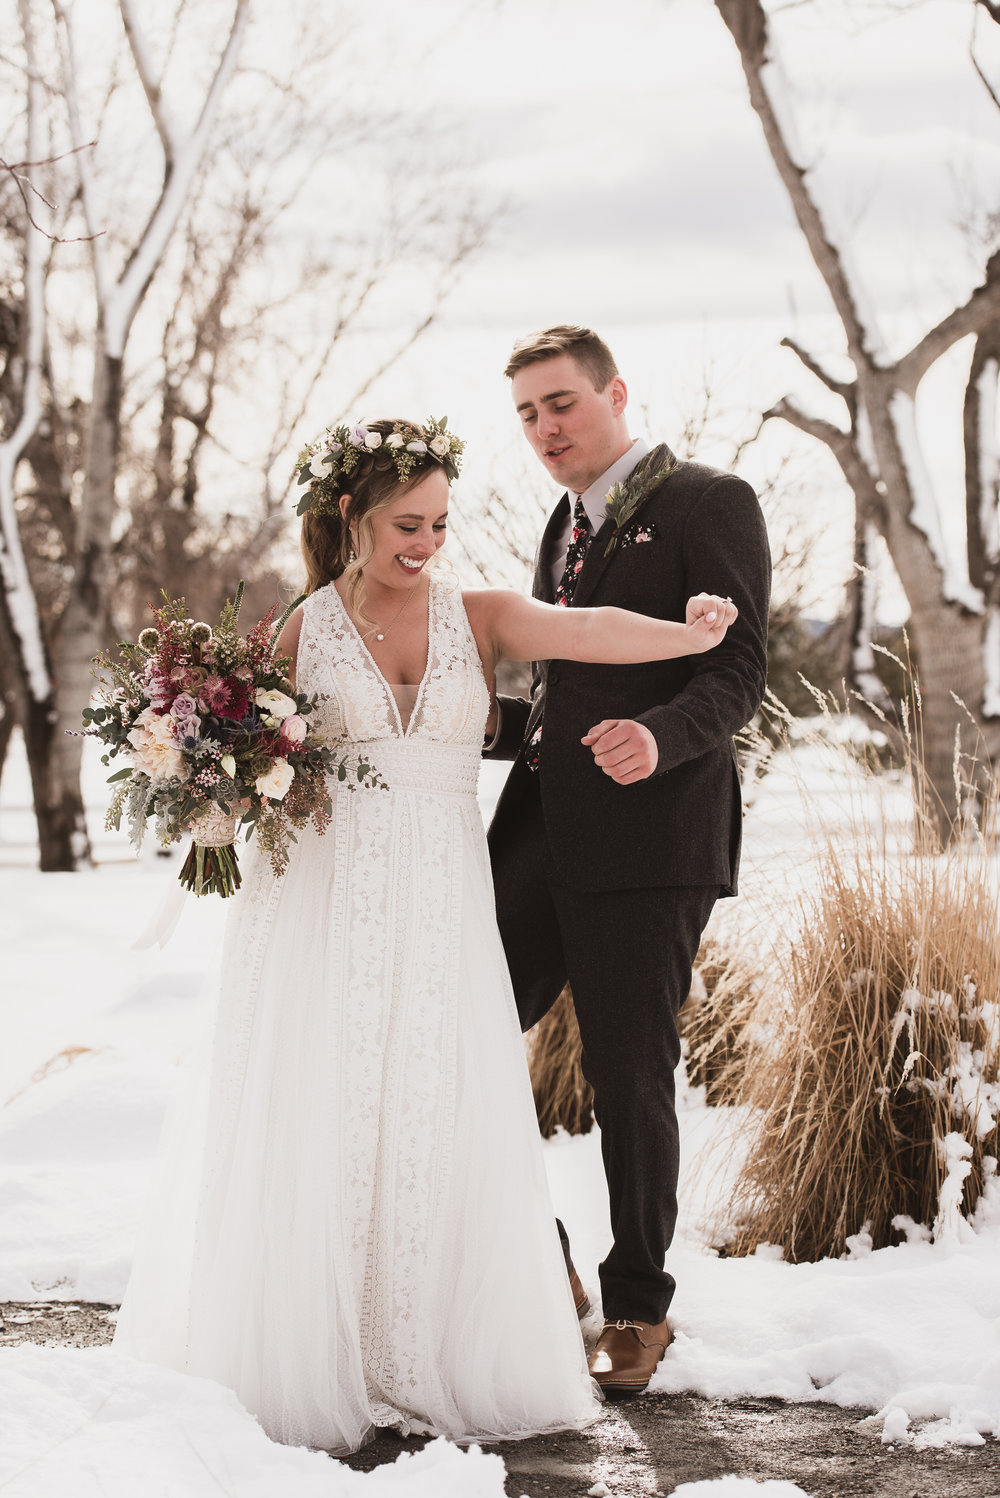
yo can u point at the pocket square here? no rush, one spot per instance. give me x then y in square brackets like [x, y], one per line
[637, 533]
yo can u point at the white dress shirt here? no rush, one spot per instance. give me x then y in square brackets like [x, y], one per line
[595, 499]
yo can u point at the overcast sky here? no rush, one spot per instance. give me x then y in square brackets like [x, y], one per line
[633, 192]
[620, 135]
[640, 199]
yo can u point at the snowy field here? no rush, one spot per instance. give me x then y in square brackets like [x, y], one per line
[93, 1036]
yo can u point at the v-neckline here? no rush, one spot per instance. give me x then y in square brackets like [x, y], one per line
[403, 733]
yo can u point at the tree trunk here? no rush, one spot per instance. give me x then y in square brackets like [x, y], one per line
[84, 628]
[59, 814]
[7, 725]
[948, 644]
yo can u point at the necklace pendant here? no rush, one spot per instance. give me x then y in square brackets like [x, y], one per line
[380, 637]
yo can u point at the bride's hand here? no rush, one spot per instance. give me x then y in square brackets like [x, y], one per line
[707, 618]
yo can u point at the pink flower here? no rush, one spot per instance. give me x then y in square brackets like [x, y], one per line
[184, 706]
[214, 694]
[295, 728]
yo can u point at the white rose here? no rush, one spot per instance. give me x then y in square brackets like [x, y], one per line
[416, 446]
[440, 446]
[319, 464]
[277, 704]
[276, 782]
[394, 440]
[373, 439]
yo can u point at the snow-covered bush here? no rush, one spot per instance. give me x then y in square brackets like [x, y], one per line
[876, 1098]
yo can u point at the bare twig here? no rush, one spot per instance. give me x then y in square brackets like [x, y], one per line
[24, 184]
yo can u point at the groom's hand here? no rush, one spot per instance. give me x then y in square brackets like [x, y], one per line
[623, 749]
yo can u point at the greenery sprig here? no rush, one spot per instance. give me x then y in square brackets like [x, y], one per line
[628, 496]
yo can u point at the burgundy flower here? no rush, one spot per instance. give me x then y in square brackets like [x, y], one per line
[239, 700]
[226, 697]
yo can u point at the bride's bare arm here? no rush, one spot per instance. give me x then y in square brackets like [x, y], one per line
[508, 625]
[288, 641]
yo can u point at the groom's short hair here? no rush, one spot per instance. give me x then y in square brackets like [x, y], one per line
[589, 351]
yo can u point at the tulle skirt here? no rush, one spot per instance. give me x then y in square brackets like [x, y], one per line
[350, 1224]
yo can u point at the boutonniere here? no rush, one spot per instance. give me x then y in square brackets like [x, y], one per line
[628, 496]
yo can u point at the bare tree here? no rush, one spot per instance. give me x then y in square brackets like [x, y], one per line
[141, 477]
[118, 296]
[954, 619]
[28, 683]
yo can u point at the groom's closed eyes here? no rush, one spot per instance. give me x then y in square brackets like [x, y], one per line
[526, 410]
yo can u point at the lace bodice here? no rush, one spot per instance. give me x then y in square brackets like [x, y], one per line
[356, 701]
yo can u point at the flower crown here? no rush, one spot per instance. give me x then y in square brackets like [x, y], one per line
[327, 463]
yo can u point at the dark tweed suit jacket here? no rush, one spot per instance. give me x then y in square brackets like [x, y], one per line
[682, 825]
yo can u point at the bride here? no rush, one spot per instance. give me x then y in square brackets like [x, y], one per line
[351, 1225]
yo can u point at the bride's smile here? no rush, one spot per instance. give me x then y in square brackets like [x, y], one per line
[401, 538]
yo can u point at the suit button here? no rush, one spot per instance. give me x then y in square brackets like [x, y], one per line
[553, 677]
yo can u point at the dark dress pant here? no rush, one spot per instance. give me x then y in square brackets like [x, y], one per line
[628, 956]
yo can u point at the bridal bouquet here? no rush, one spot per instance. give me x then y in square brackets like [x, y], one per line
[216, 737]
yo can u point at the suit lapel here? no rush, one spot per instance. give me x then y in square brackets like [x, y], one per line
[542, 586]
[596, 562]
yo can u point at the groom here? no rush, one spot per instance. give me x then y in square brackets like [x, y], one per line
[620, 822]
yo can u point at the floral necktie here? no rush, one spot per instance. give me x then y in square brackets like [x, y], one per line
[579, 541]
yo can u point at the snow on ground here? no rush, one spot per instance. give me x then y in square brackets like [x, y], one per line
[738, 1487]
[94, 1424]
[93, 1037]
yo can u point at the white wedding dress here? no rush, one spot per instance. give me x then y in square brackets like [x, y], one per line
[351, 1226]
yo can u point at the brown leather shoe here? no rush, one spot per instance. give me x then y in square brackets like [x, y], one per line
[627, 1353]
[580, 1297]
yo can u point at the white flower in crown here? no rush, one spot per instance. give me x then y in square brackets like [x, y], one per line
[416, 446]
[319, 464]
[358, 437]
[394, 440]
[373, 439]
[440, 445]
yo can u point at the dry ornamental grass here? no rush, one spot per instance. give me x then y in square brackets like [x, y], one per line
[563, 1096]
[875, 1103]
[887, 1044]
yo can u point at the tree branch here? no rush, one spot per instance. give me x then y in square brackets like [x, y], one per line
[152, 86]
[982, 308]
[844, 388]
[843, 447]
[25, 185]
[177, 177]
[748, 23]
[67, 53]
